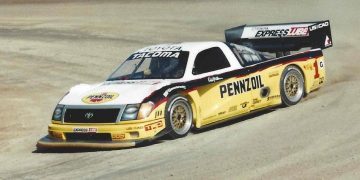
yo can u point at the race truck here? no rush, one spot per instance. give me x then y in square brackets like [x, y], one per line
[169, 89]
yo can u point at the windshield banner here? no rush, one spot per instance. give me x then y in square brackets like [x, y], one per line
[154, 54]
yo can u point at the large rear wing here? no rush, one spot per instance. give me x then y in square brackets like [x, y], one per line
[282, 37]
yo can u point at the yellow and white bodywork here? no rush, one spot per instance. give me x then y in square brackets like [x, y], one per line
[122, 113]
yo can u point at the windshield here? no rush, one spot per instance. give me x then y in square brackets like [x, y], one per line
[152, 65]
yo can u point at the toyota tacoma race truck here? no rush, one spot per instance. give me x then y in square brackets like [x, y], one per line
[169, 89]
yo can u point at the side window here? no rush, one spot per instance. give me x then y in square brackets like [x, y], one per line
[210, 60]
[247, 58]
[255, 58]
[250, 59]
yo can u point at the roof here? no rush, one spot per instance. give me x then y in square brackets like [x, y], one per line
[184, 46]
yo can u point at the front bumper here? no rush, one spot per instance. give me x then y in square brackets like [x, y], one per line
[124, 134]
[49, 142]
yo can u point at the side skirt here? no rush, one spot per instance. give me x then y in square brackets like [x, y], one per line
[237, 116]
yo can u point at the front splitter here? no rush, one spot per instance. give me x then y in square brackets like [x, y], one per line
[48, 142]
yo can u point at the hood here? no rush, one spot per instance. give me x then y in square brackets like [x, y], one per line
[112, 92]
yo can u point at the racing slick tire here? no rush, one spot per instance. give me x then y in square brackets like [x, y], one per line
[178, 116]
[292, 87]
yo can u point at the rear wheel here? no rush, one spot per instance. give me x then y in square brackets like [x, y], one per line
[178, 116]
[291, 86]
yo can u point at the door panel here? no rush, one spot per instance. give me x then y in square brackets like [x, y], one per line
[224, 99]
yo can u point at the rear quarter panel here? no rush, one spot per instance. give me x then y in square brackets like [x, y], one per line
[314, 72]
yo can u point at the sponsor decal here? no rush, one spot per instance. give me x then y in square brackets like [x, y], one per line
[241, 86]
[214, 79]
[166, 93]
[99, 98]
[319, 26]
[232, 108]
[153, 126]
[276, 31]
[135, 128]
[244, 104]
[298, 31]
[255, 101]
[273, 97]
[162, 48]
[85, 130]
[169, 54]
[256, 28]
[273, 74]
[221, 113]
[272, 33]
[118, 136]
[284, 32]
[308, 67]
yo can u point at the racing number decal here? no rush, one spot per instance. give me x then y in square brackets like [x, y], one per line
[316, 70]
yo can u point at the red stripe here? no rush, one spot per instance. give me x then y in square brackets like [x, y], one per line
[160, 102]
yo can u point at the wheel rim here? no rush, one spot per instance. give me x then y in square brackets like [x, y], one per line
[293, 86]
[180, 117]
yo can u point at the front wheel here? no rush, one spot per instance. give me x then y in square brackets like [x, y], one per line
[291, 86]
[178, 116]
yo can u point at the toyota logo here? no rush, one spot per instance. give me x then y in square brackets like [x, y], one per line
[89, 115]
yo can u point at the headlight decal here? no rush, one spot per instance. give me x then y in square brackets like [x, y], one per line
[145, 110]
[58, 113]
[130, 112]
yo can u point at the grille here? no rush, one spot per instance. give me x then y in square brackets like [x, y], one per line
[91, 115]
[88, 136]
